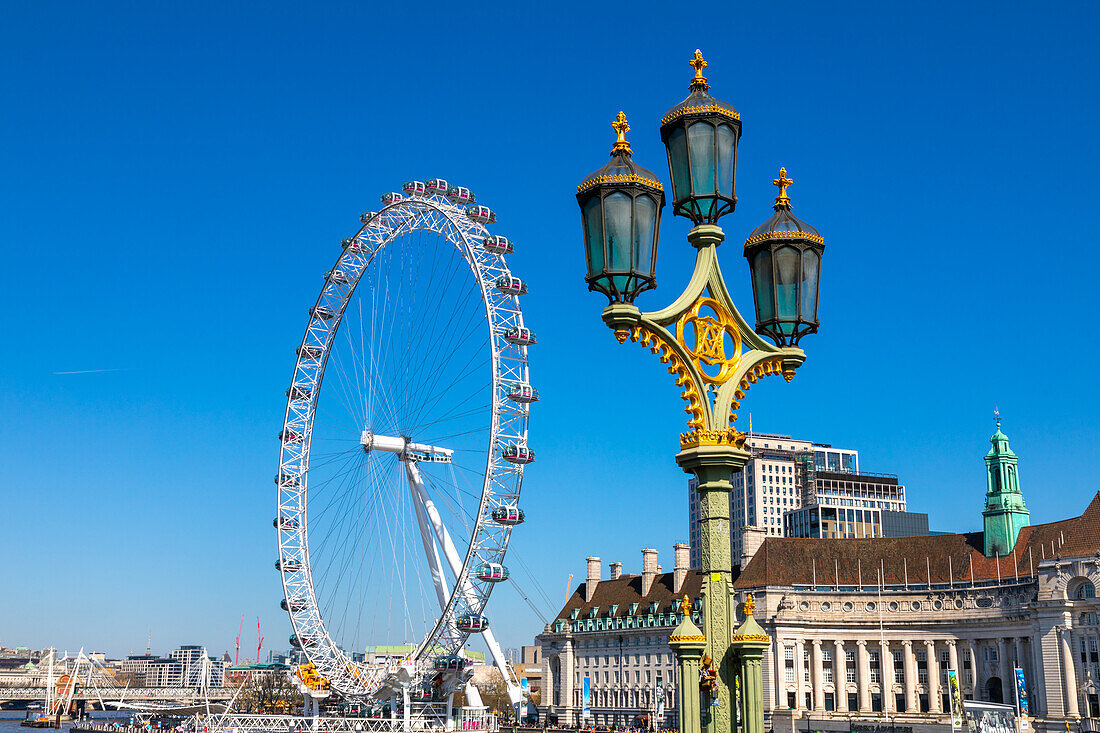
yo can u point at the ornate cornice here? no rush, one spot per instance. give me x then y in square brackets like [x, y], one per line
[816, 238]
[700, 109]
[620, 178]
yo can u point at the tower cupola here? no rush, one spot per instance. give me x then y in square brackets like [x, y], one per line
[1005, 512]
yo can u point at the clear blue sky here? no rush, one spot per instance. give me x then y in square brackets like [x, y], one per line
[174, 177]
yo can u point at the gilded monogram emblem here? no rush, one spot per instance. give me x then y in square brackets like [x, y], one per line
[710, 338]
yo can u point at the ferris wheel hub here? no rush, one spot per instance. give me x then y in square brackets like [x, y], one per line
[405, 449]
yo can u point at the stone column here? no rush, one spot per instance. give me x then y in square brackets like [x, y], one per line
[1069, 674]
[688, 644]
[934, 700]
[799, 674]
[886, 670]
[568, 672]
[840, 676]
[778, 678]
[911, 705]
[975, 670]
[817, 681]
[863, 676]
[1006, 675]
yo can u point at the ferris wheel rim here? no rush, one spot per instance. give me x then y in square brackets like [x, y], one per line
[418, 213]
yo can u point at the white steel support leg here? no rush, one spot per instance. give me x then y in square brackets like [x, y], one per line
[431, 551]
[515, 695]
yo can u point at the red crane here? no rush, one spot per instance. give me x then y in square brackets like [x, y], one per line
[259, 640]
[237, 656]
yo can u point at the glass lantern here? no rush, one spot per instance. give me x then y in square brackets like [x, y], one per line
[621, 216]
[784, 255]
[701, 135]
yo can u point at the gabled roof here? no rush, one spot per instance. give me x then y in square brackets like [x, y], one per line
[924, 559]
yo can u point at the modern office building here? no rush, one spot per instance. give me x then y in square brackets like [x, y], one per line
[845, 504]
[771, 485]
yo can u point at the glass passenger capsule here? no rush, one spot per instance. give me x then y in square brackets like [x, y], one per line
[391, 197]
[297, 392]
[288, 564]
[450, 663]
[289, 480]
[366, 216]
[522, 392]
[322, 312]
[460, 195]
[437, 186]
[509, 515]
[518, 454]
[290, 436]
[309, 352]
[337, 277]
[520, 336]
[414, 188]
[481, 214]
[292, 605]
[511, 285]
[287, 523]
[472, 623]
[497, 244]
[353, 244]
[492, 572]
[301, 643]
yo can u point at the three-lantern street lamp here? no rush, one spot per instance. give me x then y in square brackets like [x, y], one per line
[710, 349]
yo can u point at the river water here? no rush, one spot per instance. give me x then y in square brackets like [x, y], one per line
[10, 720]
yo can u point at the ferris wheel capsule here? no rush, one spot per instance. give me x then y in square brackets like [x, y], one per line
[288, 564]
[287, 523]
[497, 244]
[450, 663]
[472, 623]
[290, 436]
[287, 480]
[337, 277]
[298, 643]
[352, 244]
[492, 572]
[520, 336]
[414, 188]
[309, 352]
[508, 515]
[460, 195]
[511, 285]
[292, 605]
[481, 214]
[391, 198]
[437, 186]
[322, 312]
[297, 392]
[518, 454]
[366, 216]
[522, 392]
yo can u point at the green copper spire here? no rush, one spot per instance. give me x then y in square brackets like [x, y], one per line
[1005, 512]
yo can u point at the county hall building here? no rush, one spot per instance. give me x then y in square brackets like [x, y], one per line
[862, 630]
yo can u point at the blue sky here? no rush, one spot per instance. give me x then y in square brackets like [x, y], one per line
[176, 176]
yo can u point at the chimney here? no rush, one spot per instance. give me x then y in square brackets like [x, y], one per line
[649, 570]
[593, 578]
[751, 540]
[682, 553]
[616, 570]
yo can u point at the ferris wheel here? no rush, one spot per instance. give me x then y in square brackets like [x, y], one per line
[404, 443]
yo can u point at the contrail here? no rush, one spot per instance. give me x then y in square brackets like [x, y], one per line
[92, 371]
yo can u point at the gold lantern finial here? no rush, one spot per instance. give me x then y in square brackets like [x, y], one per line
[621, 127]
[750, 606]
[782, 199]
[685, 606]
[697, 63]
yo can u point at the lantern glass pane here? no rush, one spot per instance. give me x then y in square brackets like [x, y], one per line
[701, 144]
[645, 216]
[678, 162]
[786, 283]
[727, 142]
[616, 211]
[811, 264]
[593, 231]
[762, 275]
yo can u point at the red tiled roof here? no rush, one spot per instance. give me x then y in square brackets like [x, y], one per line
[922, 559]
[627, 589]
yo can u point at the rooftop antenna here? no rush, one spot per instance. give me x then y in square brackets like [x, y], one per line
[950, 574]
[149, 643]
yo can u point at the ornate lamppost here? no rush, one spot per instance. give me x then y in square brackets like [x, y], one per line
[710, 349]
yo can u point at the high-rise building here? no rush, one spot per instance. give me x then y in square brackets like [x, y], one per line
[845, 504]
[770, 485]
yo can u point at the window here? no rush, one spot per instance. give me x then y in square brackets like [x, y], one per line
[1084, 590]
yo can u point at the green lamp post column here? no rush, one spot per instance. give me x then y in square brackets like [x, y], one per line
[713, 353]
[749, 642]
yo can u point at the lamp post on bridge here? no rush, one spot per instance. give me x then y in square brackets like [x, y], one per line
[711, 351]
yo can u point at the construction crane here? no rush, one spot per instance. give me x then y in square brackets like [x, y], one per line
[237, 655]
[259, 640]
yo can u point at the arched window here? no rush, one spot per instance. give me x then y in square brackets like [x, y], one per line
[1082, 590]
